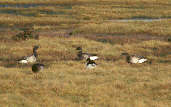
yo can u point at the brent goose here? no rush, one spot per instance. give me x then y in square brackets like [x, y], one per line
[90, 64]
[134, 58]
[30, 59]
[37, 67]
[82, 55]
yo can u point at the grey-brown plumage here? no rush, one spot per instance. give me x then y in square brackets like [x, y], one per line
[30, 59]
[134, 58]
[82, 55]
[37, 67]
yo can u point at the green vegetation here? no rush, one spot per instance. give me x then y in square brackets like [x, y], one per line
[64, 25]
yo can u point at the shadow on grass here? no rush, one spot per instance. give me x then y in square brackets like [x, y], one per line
[165, 61]
[27, 72]
[15, 65]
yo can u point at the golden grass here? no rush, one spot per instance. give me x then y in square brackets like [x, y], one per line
[18, 20]
[121, 10]
[161, 28]
[66, 82]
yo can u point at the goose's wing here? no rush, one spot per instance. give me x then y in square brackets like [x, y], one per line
[31, 58]
[22, 60]
[26, 59]
[93, 57]
[85, 55]
[141, 59]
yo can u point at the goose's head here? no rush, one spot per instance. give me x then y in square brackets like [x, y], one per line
[79, 48]
[35, 47]
[35, 51]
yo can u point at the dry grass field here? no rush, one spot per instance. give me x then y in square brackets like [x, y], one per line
[98, 27]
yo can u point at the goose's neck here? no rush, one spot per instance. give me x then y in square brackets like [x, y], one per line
[128, 58]
[80, 52]
[35, 53]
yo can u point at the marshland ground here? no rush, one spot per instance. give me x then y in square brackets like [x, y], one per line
[99, 26]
